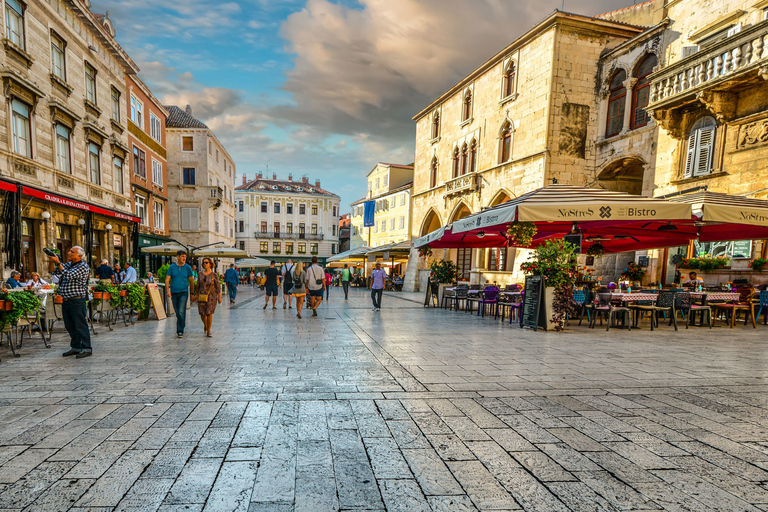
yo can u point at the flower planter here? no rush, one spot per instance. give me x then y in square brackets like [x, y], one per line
[123, 293]
[58, 299]
[102, 295]
[8, 306]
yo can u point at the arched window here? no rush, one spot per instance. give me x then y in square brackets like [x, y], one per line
[506, 144]
[616, 101]
[701, 145]
[473, 156]
[433, 173]
[466, 110]
[508, 85]
[464, 159]
[641, 92]
[456, 162]
[436, 125]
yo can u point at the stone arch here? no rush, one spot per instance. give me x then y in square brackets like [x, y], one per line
[502, 196]
[636, 63]
[623, 175]
[431, 222]
[460, 211]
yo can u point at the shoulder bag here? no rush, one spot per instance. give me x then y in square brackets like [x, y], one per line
[317, 281]
[203, 297]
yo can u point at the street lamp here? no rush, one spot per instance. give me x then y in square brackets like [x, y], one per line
[109, 227]
[81, 222]
[46, 215]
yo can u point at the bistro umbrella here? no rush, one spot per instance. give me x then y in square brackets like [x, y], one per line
[168, 249]
[220, 251]
[720, 217]
[350, 256]
[251, 263]
[616, 220]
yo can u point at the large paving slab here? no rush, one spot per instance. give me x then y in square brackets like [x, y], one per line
[408, 409]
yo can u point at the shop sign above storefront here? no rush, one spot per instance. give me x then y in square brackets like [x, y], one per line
[72, 203]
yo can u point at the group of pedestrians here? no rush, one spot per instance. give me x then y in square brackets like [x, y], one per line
[297, 283]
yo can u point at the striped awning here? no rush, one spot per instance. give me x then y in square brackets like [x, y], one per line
[726, 208]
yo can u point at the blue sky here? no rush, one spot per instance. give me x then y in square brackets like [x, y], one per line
[323, 88]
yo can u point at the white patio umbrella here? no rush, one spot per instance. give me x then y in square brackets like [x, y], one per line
[220, 251]
[169, 249]
[251, 263]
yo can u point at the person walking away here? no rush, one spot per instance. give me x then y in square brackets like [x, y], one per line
[287, 283]
[179, 285]
[130, 275]
[232, 279]
[73, 288]
[328, 284]
[252, 278]
[299, 291]
[272, 284]
[378, 282]
[208, 294]
[104, 272]
[346, 277]
[194, 272]
[315, 284]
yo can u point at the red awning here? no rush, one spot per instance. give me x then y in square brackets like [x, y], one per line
[10, 187]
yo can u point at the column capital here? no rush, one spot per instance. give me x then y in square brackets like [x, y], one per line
[629, 83]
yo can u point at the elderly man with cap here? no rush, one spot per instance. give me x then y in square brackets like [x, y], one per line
[73, 288]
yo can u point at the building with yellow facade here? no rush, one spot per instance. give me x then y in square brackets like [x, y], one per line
[390, 186]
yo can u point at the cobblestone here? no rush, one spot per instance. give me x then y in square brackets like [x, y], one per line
[405, 409]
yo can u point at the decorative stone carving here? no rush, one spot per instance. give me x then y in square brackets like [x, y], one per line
[722, 104]
[752, 134]
[763, 72]
[65, 182]
[23, 168]
[670, 120]
[466, 183]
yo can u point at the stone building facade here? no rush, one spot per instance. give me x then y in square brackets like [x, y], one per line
[148, 168]
[201, 182]
[63, 135]
[710, 100]
[282, 219]
[390, 186]
[525, 118]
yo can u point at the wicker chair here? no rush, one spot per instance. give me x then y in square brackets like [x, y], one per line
[664, 304]
[611, 311]
[688, 309]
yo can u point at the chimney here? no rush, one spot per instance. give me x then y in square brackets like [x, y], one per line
[304, 179]
[258, 175]
[188, 110]
[243, 179]
[317, 183]
[274, 176]
[290, 177]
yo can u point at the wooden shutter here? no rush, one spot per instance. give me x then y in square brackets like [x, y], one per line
[691, 154]
[705, 143]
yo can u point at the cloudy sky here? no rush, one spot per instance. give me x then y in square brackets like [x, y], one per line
[323, 88]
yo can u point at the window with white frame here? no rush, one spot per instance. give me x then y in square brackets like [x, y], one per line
[94, 162]
[402, 222]
[402, 199]
[154, 127]
[63, 153]
[157, 173]
[137, 111]
[118, 172]
[701, 143]
[14, 22]
[22, 134]
[383, 226]
[190, 219]
[115, 105]
[141, 208]
[58, 67]
[392, 224]
[159, 211]
[90, 83]
[216, 222]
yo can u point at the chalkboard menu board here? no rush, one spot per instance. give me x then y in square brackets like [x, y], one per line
[534, 294]
[742, 249]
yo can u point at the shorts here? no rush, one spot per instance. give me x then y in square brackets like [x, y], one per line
[287, 288]
[271, 289]
[316, 293]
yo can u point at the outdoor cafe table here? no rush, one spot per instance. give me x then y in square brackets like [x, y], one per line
[625, 298]
[709, 296]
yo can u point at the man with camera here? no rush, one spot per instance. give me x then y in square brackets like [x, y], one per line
[73, 288]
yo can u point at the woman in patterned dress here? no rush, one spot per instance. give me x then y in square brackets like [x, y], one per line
[208, 283]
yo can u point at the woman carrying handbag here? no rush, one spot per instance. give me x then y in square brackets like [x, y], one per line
[208, 294]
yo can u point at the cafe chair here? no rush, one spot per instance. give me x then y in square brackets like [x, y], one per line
[664, 304]
[459, 297]
[581, 303]
[688, 309]
[763, 303]
[489, 297]
[732, 309]
[606, 307]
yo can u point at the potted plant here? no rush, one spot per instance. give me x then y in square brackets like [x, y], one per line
[757, 264]
[633, 272]
[425, 251]
[135, 296]
[521, 234]
[162, 272]
[444, 273]
[21, 304]
[596, 250]
[556, 260]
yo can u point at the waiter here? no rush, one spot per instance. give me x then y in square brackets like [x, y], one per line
[73, 288]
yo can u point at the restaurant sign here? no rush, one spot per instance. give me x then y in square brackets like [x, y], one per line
[637, 210]
[486, 219]
[72, 203]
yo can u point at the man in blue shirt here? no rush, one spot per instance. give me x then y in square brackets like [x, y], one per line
[232, 280]
[129, 274]
[13, 281]
[378, 282]
[179, 285]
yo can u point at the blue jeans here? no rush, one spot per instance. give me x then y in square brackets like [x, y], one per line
[179, 301]
[232, 291]
[376, 297]
[75, 316]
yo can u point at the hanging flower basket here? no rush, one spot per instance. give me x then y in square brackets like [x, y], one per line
[521, 234]
[757, 264]
[425, 251]
[596, 250]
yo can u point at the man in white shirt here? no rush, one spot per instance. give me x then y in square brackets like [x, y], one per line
[315, 284]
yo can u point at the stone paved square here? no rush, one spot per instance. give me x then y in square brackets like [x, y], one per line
[407, 409]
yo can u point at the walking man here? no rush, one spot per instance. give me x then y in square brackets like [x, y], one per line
[73, 287]
[272, 284]
[315, 284]
[346, 277]
[179, 285]
[232, 279]
[378, 281]
[288, 283]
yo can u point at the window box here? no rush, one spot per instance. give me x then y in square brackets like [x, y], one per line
[263, 251]
[61, 84]
[92, 108]
[314, 253]
[18, 52]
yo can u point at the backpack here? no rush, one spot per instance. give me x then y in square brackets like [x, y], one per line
[289, 276]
